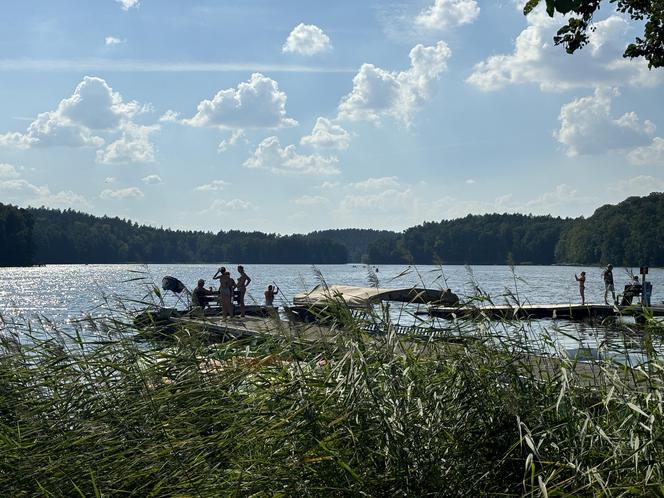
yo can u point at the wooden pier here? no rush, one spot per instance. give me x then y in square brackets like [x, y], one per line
[539, 311]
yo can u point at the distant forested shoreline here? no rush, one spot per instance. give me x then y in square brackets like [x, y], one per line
[630, 233]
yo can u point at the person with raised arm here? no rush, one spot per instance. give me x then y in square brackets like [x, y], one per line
[582, 286]
[226, 285]
[272, 290]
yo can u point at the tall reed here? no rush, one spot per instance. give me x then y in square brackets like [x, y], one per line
[91, 411]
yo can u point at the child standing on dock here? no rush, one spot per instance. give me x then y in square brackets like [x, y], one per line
[582, 286]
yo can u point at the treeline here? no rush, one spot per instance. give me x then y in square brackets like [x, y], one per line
[630, 233]
[72, 237]
[485, 239]
[16, 242]
[356, 240]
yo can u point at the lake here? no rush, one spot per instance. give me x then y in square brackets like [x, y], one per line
[64, 293]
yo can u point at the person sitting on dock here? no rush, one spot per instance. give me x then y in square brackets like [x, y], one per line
[608, 284]
[582, 286]
[449, 298]
[200, 296]
[269, 295]
[632, 289]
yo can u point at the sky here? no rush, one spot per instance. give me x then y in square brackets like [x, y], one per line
[295, 116]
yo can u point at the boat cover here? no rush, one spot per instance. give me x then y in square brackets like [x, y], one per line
[365, 296]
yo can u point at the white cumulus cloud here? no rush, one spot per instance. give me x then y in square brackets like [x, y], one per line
[219, 206]
[378, 93]
[652, 154]
[235, 137]
[311, 200]
[587, 126]
[445, 14]
[381, 183]
[128, 4]
[91, 116]
[133, 146]
[213, 186]
[152, 180]
[638, 185]
[121, 194]
[170, 116]
[270, 155]
[327, 135]
[391, 200]
[537, 60]
[113, 40]
[306, 39]
[8, 171]
[257, 103]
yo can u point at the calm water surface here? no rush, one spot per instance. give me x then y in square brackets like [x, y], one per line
[66, 292]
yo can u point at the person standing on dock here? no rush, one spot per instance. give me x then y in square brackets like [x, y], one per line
[242, 282]
[608, 284]
[226, 285]
[582, 286]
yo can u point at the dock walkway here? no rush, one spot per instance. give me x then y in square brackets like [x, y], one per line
[551, 311]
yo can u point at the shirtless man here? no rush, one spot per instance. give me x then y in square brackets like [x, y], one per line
[608, 284]
[226, 285]
[242, 282]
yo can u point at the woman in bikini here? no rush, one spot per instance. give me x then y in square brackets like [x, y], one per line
[582, 286]
[226, 285]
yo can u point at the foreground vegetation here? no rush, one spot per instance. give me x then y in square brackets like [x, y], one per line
[381, 415]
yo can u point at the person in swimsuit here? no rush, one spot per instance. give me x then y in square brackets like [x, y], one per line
[608, 284]
[582, 286]
[242, 282]
[226, 285]
[269, 295]
[200, 295]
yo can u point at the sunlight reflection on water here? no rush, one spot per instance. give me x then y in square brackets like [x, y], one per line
[66, 292]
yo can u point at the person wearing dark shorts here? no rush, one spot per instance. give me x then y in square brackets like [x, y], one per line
[608, 284]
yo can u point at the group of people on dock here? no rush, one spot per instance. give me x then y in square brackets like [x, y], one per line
[229, 290]
[631, 290]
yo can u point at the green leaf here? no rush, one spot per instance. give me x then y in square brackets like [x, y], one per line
[530, 5]
[565, 6]
[550, 7]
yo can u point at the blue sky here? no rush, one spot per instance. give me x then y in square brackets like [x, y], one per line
[294, 116]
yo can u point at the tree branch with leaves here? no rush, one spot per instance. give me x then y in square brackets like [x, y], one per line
[575, 34]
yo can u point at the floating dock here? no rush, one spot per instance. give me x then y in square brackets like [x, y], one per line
[550, 311]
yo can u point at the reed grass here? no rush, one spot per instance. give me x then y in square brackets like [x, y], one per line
[91, 411]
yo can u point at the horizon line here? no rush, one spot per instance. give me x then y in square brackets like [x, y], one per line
[147, 66]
